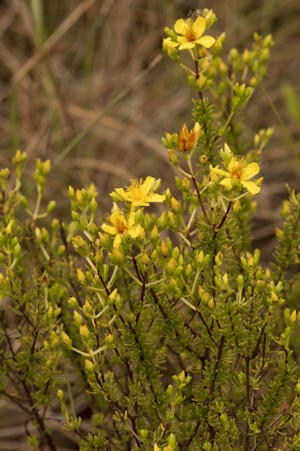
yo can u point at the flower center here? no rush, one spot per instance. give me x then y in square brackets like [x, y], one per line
[120, 224]
[136, 190]
[236, 168]
[190, 34]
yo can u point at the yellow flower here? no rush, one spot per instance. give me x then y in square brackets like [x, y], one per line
[238, 169]
[186, 140]
[192, 34]
[122, 225]
[138, 193]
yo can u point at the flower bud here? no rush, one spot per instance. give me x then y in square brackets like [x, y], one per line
[293, 317]
[162, 221]
[203, 160]
[113, 295]
[211, 303]
[84, 332]
[143, 434]
[268, 41]
[225, 281]
[189, 270]
[171, 218]
[186, 184]
[109, 339]
[73, 303]
[200, 83]
[47, 346]
[77, 319]
[234, 54]
[219, 259]
[93, 205]
[164, 248]
[200, 257]
[105, 241]
[181, 376]
[145, 259]
[171, 265]
[223, 68]
[89, 366]
[142, 235]
[67, 340]
[80, 275]
[286, 209]
[78, 196]
[60, 395]
[236, 206]
[175, 205]
[46, 167]
[51, 206]
[173, 157]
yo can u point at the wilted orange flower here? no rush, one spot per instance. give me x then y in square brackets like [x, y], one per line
[186, 140]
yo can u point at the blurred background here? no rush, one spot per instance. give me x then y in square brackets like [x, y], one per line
[63, 62]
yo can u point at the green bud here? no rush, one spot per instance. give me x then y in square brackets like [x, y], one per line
[154, 236]
[47, 346]
[186, 184]
[162, 222]
[172, 441]
[169, 393]
[61, 250]
[73, 303]
[24, 202]
[51, 206]
[105, 241]
[93, 205]
[71, 193]
[67, 340]
[77, 319]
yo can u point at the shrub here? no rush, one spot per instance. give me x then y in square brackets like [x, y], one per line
[172, 329]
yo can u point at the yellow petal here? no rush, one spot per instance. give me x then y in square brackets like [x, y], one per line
[226, 182]
[148, 183]
[130, 221]
[139, 203]
[227, 148]
[206, 41]
[117, 241]
[170, 43]
[135, 231]
[155, 198]
[121, 192]
[220, 171]
[109, 229]
[205, 62]
[186, 45]
[251, 187]
[182, 39]
[250, 171]
[199, 26]
[180, 26]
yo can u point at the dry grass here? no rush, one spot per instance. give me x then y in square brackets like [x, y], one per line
[65, 62]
